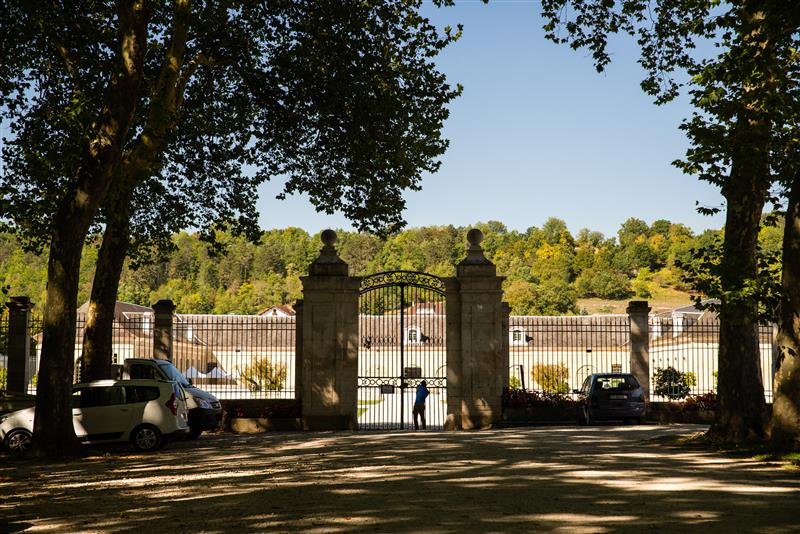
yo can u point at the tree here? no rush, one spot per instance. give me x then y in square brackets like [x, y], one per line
[785, 422]
[97, 99]
[732, 135]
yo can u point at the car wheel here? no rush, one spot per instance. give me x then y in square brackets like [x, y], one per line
[579, 417]
[19, 441]
[146, 438]
[194, 432]
[587, 416]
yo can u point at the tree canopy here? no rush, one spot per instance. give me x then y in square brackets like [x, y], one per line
[188, 105]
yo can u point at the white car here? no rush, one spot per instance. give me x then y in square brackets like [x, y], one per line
[146, 413]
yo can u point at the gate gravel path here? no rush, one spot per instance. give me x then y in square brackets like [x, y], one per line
[549, 479]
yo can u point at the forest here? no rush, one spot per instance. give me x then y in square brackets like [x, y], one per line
[549, 270]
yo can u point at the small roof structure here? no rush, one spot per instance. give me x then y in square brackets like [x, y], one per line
[278, 310]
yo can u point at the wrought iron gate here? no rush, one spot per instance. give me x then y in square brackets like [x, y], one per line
[402, 331]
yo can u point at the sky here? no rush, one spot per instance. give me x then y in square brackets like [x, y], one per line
[538, 133]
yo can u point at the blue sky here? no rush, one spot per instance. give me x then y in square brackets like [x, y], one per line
[539, 133]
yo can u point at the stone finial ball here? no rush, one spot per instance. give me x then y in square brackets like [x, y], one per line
[328, 237]
[475, 237]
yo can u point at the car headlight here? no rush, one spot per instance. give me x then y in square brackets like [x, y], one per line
[3, 418]
[202, 403]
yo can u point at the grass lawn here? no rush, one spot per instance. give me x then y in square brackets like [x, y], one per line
[700, 441]
[664, 298]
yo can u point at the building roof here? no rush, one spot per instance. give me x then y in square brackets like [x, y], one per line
[278, 309]
[121, 309]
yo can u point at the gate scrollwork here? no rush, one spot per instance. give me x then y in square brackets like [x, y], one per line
[405, 278]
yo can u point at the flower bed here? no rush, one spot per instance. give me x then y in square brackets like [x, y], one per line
[253, 416]
[525, 406]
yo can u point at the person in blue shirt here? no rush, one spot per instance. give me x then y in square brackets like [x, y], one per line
[419, 404]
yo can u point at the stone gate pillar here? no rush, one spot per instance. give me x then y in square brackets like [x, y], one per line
[162, 329]
[477, 341]
[20, 366]
[638, 314]
[328, 358]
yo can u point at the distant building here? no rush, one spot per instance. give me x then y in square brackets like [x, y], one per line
[279, 310]
[427, 308]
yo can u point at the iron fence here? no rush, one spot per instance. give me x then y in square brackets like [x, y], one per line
[3, 348]
[253, 357]
[556, 354]
[231, 356]
[131, 337]
[690, 346]
[237, 356]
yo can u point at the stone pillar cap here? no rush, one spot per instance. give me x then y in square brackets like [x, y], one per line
[328, 263]
[19, 304]
[638, 306]
[164, 306]
[475, 252]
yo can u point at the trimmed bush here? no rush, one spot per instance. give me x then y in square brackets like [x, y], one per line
[551, 377]
[265, 375]
[672, 383]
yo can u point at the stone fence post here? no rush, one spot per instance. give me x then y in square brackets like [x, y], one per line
[20, 367]
[328, 331]
[477, 341]
[638, 314]
[162, 329]
[298, 347]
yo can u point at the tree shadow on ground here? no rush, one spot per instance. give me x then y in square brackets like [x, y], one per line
[595, 479]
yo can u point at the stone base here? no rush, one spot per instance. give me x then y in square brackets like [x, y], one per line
[256, 425]
[329, 422]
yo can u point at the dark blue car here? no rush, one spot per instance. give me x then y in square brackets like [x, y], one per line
[610, 396]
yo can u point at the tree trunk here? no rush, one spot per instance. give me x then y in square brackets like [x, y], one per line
[98, 336]
[53, 432]
[741, 412]
[141, 161]
[785, 424]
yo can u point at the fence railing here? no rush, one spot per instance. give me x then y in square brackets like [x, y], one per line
[253, 357]
[691, 346]
[3, 348]
[237, 356]
[556, 354]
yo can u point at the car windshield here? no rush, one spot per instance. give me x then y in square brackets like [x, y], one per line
[617, 383]
[173, 374]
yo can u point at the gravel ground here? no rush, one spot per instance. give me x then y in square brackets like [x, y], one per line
[548, 479]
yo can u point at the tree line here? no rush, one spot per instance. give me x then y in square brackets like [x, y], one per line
[547, 268]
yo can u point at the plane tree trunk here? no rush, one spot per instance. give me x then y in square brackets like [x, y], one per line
[785, 424]
[53, 432]
[98, 336]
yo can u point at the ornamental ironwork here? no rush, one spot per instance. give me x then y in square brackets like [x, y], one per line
[403, 278]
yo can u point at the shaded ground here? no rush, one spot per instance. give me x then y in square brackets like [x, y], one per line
[563, 479]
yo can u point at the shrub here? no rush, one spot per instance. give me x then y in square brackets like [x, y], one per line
[519, 398]
[282, 410]
[707, 401]
[552, 377]
[672, 383]
[3, 378]
[514, 383]
[265, 375]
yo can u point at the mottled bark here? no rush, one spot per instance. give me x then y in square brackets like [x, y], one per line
[741, 412]
[54, 435]
[785, 424]
[139, 162]
[98, 336]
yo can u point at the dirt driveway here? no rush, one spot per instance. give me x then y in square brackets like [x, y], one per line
[561, 479]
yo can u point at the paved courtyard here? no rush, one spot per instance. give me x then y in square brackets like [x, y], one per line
[549, 479]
